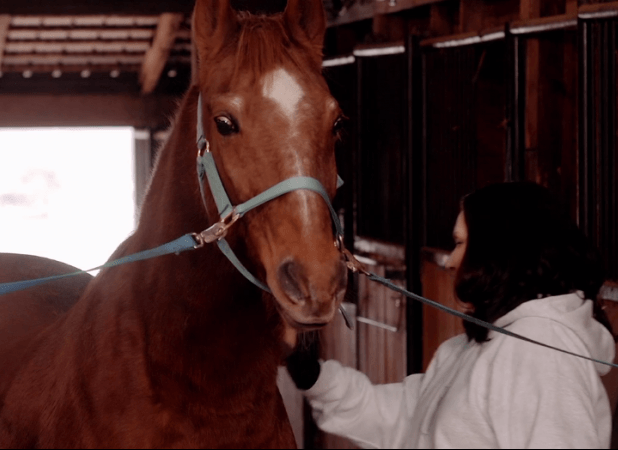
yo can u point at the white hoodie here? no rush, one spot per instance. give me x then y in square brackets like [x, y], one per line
[505, 393]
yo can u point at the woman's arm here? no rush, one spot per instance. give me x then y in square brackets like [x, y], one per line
[347, 404]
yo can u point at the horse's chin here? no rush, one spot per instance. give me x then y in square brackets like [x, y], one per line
[291, 330]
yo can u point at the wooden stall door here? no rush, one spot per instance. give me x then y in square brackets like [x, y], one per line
[381, 323]
[437, 281]
[377, 345]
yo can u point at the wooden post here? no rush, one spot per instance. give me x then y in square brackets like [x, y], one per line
[471, 15]
[5, 23]
[162, 44]
[530, 9]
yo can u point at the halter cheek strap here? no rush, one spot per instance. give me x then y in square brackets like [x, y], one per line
[229, 214]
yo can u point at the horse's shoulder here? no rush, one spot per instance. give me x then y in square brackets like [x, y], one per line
[25, 313]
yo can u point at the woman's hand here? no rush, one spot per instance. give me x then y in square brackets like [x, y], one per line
[303, 366]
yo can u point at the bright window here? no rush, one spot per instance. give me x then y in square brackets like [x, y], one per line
[66, 194]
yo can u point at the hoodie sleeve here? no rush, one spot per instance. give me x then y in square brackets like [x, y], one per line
[540, 398]
[345, 403]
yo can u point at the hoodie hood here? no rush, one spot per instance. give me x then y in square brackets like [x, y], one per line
[574, 312]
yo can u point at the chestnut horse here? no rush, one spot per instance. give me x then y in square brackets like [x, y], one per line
[182, 350]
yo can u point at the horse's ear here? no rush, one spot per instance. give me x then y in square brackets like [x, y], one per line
[306, 20]
[214, 23]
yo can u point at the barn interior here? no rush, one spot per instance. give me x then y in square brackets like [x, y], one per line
[443, 97]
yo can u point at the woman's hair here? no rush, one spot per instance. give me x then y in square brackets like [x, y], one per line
[522, 246]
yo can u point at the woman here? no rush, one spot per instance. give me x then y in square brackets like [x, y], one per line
[521, 264]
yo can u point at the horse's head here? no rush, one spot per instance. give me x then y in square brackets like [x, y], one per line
[268, 115]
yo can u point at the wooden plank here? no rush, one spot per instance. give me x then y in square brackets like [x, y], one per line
[387, 28]
[442, 20]
[532, 106]
[156, 57]
[64, 7]
[571, 7]
[5, 23]
[438, 286]
[123, 7]
[371, 339]
[608, 8]
[471, 15]
[47, 110]
[538, 24]
[529, 9]
[395, 351]
[339, 343]
[392, 6]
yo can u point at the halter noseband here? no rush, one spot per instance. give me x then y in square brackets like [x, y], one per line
[229, 214]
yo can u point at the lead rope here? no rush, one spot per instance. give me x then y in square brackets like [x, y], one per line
[188, 242]
[206, 168]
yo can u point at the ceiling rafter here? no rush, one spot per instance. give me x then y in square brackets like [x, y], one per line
[162, 44]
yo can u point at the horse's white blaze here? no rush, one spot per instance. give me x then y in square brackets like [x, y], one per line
[282, 88]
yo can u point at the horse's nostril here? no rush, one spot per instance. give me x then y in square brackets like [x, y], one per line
[293, 281]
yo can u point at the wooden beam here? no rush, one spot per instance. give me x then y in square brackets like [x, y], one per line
[599, 8]
[94, 7]
[571, 7]
[471, 15]
[123, 7]
[5, 23]
[156, 57]
[442, 19]
[391, 6]
[529, 9]
[48, 110]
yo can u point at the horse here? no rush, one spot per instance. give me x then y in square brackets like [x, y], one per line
[182, 350]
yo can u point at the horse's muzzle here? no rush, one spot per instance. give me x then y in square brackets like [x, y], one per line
[314, 297]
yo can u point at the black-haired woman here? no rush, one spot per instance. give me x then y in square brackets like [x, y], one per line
[521, 264]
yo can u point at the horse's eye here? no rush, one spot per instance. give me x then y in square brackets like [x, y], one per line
[225, 125]
[339, 125]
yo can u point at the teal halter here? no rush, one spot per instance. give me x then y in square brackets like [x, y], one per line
[229, 214]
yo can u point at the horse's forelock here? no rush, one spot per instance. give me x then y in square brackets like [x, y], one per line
[265, 44]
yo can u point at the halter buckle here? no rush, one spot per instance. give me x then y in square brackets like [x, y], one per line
[217, 231]
[350, 261]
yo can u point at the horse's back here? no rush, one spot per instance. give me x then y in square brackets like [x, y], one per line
[24, 313]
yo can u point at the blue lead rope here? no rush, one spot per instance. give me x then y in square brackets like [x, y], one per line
[187, 242]
[207, 169]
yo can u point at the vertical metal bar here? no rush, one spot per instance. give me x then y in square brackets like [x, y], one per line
[143, 166]
[423, 101]
[356, 162]
[612, 184]
[602, 169]
[514, 169]
[415, 194]
[608, 185]
[586, 134]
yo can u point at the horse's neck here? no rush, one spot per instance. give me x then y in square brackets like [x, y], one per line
[197, 313]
